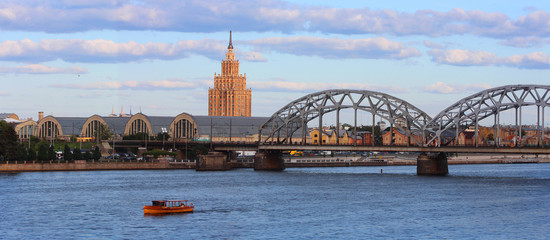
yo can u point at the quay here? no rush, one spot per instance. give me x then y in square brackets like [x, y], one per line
[289, 163]
[80, 165]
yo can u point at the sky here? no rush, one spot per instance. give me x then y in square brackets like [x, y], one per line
[77, 58]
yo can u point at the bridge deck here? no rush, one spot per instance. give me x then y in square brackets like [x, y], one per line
[524, 150]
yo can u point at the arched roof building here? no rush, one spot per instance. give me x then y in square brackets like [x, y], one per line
[182, 126]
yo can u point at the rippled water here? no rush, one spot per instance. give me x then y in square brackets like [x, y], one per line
[475, 201]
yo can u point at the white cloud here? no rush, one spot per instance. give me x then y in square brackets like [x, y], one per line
[369, 48]
[138, 85]
[41, 69]
[444, 88]
[525, 42]
[460, 57]
[430, 44]
[3, 94]
[267, 86]
[261, 16]
[285, 86]
[100, 50]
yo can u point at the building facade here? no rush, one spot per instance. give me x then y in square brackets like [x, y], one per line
[183, 127]
[229, 97]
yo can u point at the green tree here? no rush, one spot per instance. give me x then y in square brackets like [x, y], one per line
[8, 142]
[160, 136]
[77, 154]
[97, 154]
[22, 152]
[31, 154]
[157, 152]
[51, 153]
[104, 132]
[67, 154]
[43, 151]
[87, 155]
[194, 152]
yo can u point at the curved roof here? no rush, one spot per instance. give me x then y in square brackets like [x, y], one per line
[116, 123]
[159, 122]
[240, 126]
[71, 125]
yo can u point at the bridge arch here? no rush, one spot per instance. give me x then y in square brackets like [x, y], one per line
[284, 123]
[468, 111]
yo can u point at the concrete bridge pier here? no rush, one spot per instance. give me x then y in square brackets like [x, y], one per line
[213, 161]
[432, 165]
[269, 160]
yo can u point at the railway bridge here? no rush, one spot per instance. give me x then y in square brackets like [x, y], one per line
[432, 137]
[286, 129]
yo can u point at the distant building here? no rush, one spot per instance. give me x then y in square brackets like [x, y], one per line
[399, 138]
[229, 97]
[183, 127]
[9, 117]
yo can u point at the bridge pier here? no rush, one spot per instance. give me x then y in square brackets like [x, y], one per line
[213, 161]
[434, 165]
[269, 160]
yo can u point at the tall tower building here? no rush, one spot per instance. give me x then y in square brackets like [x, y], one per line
[229, 97]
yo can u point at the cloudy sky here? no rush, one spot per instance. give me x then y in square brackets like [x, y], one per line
[85, 57]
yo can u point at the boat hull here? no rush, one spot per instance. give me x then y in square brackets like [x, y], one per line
[165, 210]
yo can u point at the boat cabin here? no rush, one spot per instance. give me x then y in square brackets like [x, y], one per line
[170, 203]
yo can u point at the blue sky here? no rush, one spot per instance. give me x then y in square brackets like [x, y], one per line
[84, 57]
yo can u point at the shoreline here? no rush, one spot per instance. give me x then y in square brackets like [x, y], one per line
[309, 162]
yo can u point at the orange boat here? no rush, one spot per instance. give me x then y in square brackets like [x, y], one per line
[169, 206]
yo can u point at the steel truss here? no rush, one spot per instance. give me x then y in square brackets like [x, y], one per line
[470, 110]
[295, 116]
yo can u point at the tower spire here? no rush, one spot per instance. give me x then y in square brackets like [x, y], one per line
[230, 41]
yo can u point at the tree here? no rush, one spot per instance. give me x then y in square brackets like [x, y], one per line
[97, 154]
[194, 152]
[31, 155]
[160, 136]
[77, 154]
[67, 154]
[22, 152]
[87, 155]
[157, 152]
[8, 142]
[346, 125]
[51, 153]
[34, 140]
[43, 151]
[104, 132]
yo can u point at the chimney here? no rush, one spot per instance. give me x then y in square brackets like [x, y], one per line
[40, 115]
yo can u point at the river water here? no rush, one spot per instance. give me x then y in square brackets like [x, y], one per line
[473, 202]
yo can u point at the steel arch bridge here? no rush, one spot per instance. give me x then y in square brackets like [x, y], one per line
[405, 117]
[468, 111]
[284, 123]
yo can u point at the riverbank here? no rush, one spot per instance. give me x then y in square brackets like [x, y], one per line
[295, 163]
[93, 166]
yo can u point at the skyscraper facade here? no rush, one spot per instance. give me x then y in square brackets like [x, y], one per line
[229, 97]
